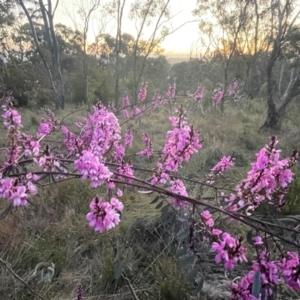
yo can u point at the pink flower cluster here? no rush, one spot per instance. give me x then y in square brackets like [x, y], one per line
[171, 92]
[148, 151]
[290, 269]
[177, 186]
[17, 189]
[126, 104]
[218, 97]
[143, 92]
[119, 153]
[12, 119]
[268, 179]
[126, 170]
[104, 215]
[229, 250]
[224, 164]
[182, 142]
[136, 111]
[207, 218]
[45, 128]
[269, 272]
[30, 146]
[128, 138]
[90, 167]
[125, 101]
[198, 95]
[233, 89]
[158, 99]
[100, 133]
[269, 276]
[47, 125]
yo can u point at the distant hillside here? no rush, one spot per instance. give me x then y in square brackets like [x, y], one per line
[177, 58]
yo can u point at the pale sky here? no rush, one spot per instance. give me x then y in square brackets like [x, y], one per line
[180, 41]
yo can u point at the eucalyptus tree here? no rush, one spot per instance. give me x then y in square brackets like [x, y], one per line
[40, 13]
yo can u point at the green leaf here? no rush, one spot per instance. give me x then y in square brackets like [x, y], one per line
[293, 219]
[170, 219]
[145, 192]
[155, 199]
[183, 219]
[184, 234]
[256, 286]
[159, 205]
[250, 237]
[187, 261]
[192, 275]
[181, 252]
[118, 270]
[166, 215]
[177, 227]
[165, 211]
[200, 286]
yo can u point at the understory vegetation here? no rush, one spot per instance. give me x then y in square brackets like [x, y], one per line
[50, 246]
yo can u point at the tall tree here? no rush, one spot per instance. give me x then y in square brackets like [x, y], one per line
[86, 10]
[47, 45]
[285, 30]
[223, 22]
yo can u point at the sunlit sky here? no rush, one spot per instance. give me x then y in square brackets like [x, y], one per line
[180, 42]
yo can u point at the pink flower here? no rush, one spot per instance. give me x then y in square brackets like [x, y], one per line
[207, 218]
[258, 240]
[267, 180]
[19, 196]
[178, 187]
[45, 129]
[290, 268]
[103, 216]
[182, 142]
[143, 92]
[198, 95]
[116, 204]
[12, 119]
[218, 96]
[136, 111]
[89, 166]
[224, 164]
[111, 185]
[148, 151]
[171, 91]
[216, 231]
[128, 138]
[125, 113]
[229, 250]
[126, 170]
[119, 153]
[125, 101]
[119, 193]
[233, 89]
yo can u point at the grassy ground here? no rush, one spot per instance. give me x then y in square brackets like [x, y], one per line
[54, 230]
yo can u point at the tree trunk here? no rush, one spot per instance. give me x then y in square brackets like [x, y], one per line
[272, 121]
